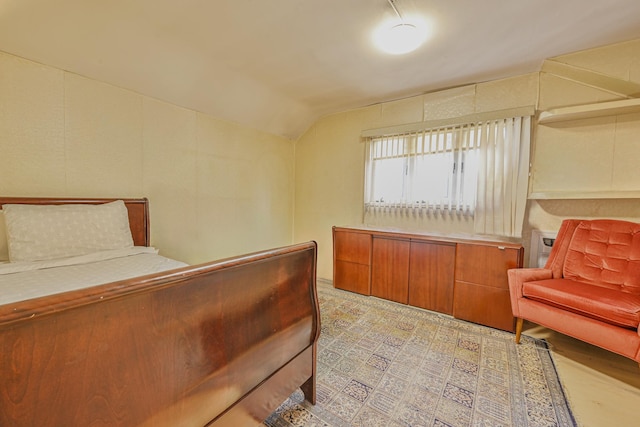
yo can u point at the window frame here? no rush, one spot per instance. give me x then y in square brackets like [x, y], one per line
[454, 142]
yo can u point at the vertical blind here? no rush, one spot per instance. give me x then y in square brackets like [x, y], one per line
[503, 177]
[422, 171]
[477, 169]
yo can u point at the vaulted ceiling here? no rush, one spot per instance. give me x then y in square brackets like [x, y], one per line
[279, 65]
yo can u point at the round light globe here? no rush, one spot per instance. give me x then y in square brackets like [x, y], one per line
[398, 38]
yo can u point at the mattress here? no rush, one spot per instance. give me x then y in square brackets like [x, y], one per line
[27, 280]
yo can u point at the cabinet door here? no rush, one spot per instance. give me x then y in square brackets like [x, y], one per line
[350, 276]
[486, 264]
[351, 261]
[481, 293]
[390, 269]
[485, 305]
[431, 276]
[352, 246]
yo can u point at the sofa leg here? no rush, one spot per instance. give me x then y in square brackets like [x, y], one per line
[519, 322]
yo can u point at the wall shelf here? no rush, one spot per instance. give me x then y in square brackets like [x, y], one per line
[586, 111]
[585, 195]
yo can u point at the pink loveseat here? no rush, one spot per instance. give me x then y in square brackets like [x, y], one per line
[589, 288]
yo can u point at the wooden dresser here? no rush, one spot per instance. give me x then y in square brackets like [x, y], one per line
[462, 277]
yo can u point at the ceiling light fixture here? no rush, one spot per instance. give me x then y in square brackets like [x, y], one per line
[401, 35]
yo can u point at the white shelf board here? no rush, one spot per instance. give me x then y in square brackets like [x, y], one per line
[600, 109]
[586, 195]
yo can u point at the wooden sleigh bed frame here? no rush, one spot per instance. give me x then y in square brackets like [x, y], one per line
[221, 344]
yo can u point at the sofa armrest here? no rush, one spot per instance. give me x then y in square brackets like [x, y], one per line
[517, 277]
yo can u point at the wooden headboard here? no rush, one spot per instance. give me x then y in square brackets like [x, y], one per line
[138, 211]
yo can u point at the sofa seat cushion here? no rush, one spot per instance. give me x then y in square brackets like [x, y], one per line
[609, 305]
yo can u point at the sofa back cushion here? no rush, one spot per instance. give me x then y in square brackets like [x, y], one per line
[606, 253]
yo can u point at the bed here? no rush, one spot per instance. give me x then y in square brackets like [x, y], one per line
[221, 343]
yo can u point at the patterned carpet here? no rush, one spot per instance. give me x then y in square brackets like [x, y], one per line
[387, 364]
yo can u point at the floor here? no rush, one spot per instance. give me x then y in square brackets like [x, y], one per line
[603, 388]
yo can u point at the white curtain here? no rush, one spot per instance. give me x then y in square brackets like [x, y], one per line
[503, 174]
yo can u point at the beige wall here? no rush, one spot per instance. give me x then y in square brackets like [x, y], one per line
[330, 156]
[216, 189]
[591, 155]
[219, 189]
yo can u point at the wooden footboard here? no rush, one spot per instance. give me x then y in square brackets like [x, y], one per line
[222, 343]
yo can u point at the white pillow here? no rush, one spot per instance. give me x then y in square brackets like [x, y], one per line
[40, 232]
[4, 250]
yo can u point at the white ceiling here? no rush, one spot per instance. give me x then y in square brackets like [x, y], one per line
[279, 65]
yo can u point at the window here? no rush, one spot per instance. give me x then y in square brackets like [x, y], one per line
[435, 169]
[478, 169]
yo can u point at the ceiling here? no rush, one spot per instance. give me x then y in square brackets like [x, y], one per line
[279, 65]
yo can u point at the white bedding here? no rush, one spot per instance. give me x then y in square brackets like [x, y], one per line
[27, 280]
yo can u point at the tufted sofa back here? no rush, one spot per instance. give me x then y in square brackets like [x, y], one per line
[605, 252]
